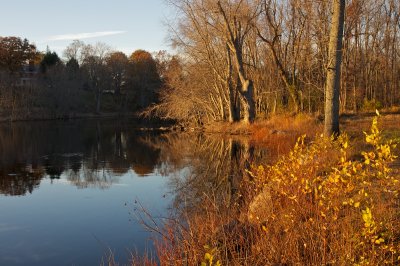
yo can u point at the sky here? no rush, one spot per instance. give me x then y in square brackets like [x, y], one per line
[125, 25]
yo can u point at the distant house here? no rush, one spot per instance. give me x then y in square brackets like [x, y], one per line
[28, 75]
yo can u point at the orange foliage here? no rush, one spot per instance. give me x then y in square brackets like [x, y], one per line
[141, 56]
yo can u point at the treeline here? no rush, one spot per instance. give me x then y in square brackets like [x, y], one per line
[259, 57]
[91, 79]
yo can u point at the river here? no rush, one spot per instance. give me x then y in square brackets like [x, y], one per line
[69, 191]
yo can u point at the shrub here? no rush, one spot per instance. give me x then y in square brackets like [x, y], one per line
[327, 209]
[371, 105]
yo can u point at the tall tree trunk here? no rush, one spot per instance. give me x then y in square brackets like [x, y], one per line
[333, 69]
[234, 115]
[246, 90]
[290, 86]
[247, 101]
[234, 112]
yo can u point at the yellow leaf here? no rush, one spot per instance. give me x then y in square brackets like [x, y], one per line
[367, 217]
[264, 228]
[357, 204]
[345, 145]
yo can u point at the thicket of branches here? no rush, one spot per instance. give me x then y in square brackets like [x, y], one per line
[275, 53]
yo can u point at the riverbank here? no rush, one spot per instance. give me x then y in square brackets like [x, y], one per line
[322, 202]
[277, 124]
[69, 116]
[298, 122]
[143, 124]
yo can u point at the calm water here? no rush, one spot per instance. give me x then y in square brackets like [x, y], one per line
[67, 191]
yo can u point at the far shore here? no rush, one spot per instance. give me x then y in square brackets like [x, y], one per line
[276, 124]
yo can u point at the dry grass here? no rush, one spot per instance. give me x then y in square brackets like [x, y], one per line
[279, 134]
[226, 128]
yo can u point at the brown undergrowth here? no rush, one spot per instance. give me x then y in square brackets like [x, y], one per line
[279, 133]
[318, 205]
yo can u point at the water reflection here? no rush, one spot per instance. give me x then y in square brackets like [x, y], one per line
[89, 153]
[215, 167]
[95, 153]
[40, 158]
[19, 180]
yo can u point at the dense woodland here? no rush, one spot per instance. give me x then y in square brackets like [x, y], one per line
[234, 60]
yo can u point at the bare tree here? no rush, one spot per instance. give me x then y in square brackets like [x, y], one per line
[213, 36]
[238, 20]
[94, 64]
[74, 51]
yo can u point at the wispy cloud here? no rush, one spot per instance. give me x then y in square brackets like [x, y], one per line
[84, 35]
[9, 227]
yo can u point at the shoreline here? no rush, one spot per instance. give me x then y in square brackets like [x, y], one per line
[74, 116]
[275, 124]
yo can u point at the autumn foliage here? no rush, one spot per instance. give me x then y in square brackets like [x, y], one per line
[15, 53]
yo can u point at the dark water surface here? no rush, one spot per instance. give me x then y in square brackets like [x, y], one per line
[67, 190]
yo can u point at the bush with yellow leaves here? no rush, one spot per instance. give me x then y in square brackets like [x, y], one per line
[322, 204]
[329, 209]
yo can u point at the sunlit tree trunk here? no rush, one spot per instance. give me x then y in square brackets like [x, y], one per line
[333, 69]
[234, 116]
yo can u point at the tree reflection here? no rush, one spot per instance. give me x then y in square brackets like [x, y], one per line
[54, 166]
[20, 180]
[86, 153]
[208, 175]
[96, 153]
[143, 155]
[203, 166]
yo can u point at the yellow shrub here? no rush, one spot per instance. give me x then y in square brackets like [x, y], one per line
[328, 209]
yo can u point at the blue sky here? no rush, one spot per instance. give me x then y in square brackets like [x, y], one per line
[125, 25]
